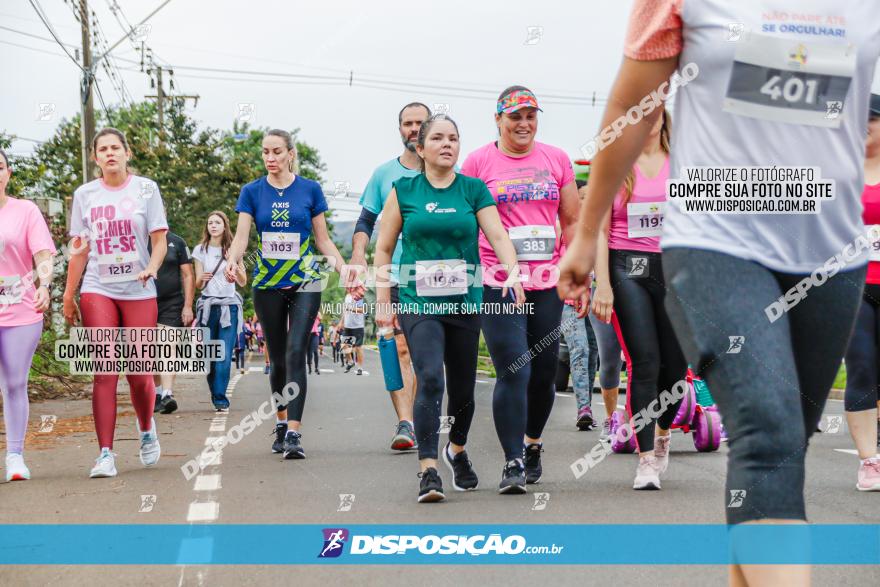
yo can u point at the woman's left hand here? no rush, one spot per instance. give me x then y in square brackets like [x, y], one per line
[41, 299]
[145, 275]
[519, 293]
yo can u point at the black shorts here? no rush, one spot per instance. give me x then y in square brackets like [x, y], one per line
[169, 313]
[353, 336]
[395, 299]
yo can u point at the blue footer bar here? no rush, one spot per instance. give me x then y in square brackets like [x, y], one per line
[234, 544]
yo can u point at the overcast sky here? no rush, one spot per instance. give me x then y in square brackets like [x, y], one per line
[457, 45]
[453, 44]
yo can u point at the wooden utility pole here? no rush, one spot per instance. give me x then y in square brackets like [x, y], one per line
[160, 98]
[88, 107]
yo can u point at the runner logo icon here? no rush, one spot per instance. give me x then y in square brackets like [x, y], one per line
[334, 541]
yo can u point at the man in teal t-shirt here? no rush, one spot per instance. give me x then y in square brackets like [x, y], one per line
[408, 164]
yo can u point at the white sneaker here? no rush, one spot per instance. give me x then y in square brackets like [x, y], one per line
[647, 474]
[16, 470]
[661, 451]
[150, 449]
[105, 465]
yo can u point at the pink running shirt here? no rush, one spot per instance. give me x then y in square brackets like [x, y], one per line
[23, 232]
[638, 225]
[527, 192]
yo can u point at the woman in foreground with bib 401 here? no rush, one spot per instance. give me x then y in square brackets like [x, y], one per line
[750, 102]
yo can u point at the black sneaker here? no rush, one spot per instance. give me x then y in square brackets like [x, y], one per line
[463, 476]
[349, 367]
[430, 487]
[533, 463]
[513, 478]
[280, 433]
[159, 403]
[292, 447]
[169, 405]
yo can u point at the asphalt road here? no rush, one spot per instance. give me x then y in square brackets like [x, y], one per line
[348, 426]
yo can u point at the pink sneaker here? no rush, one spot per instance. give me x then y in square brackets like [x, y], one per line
[869, 475]
[647, 474]
[661, 451]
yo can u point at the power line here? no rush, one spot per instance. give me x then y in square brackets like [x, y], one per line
[33, 36]
[53, 53]
[38, 10]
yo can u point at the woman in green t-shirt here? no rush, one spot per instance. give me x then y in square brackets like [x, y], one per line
[440, 214]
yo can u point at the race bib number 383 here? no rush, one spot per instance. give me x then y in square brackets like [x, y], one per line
[533, 243]
[792, 81]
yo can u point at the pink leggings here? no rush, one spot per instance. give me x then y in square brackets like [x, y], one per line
[102, 312]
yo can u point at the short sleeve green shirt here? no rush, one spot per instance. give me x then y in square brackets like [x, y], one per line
[440, 264]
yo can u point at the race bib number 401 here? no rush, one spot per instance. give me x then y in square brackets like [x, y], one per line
[281, 245]
[441, 278]
[793, 81]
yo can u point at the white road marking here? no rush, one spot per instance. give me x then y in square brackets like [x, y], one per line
[211, 460]
[256, 369]
[328, 371]
[206, 508]
[849, 451]
[207, 483]
[204, 511]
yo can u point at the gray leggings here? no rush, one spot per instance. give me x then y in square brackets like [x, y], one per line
[610, 362]
[770, 392]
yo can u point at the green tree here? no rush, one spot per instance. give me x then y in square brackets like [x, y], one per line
[198, 170]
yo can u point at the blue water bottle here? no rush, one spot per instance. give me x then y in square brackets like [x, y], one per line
[390, 363]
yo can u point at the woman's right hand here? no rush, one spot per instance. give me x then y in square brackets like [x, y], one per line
[71, 311]
[384, 318]
[229, 272]
[603, 302]
[204, 278]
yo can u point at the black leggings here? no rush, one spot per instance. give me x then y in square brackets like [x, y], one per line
[525, 350]
[312, 356]
[862, 356]
[656, 360]
[287, 316]
[239, 357]
[771, 393]
[436, 342]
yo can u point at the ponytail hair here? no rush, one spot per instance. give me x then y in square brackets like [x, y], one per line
[629, 183]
